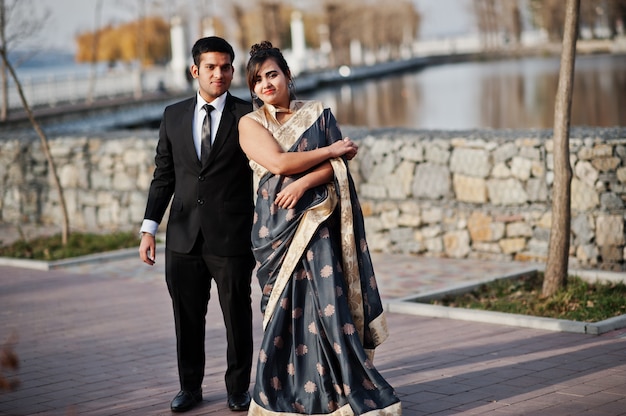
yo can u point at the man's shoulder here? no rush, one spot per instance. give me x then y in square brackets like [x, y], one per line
[239, 101]
[182, 104]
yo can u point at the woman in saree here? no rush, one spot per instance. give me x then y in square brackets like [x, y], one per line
[322, 313]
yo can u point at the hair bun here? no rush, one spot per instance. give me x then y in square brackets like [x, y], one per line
[263, 46]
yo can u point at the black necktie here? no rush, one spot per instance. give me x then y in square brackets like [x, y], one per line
[205, 145]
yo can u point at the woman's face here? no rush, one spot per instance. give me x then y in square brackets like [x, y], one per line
[272, 85]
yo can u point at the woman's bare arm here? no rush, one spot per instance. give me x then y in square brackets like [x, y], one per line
[259, 145]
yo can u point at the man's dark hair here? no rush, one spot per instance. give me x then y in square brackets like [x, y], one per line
[211, 44]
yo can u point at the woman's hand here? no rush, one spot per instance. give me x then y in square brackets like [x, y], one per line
[351, 154]
[344, 147]
[289, 196]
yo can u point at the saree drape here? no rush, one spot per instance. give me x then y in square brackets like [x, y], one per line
[323, 316]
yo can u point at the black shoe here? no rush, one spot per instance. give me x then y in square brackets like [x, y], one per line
[186, 400]
[239, 402]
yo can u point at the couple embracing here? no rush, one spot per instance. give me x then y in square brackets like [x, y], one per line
[322, 313]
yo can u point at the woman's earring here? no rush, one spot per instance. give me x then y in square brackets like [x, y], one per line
[292, 90]
[256, 101]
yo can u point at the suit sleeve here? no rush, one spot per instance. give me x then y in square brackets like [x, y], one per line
[164, 179]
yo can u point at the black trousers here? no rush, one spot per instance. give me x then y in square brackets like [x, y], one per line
[189, 277]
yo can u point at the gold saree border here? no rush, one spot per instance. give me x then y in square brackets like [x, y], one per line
[348, 248]
[378, 326]
[345, 410]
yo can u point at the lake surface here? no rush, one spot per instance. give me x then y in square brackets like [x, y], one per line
[515, 94]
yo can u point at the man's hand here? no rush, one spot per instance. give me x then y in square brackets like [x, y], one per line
[147, 248]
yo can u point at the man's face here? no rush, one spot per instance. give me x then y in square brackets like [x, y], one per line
[214, 74]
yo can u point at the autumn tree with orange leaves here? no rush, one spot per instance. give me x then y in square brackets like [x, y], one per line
[121, 43]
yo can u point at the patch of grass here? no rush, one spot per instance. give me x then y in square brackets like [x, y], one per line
[50, 248]
[580, 301]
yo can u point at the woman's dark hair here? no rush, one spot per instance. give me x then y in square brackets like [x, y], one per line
[259, 53]
[211, 44]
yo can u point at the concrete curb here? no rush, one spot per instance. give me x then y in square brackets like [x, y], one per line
[75, 261]
[501, 318]
[419, 305]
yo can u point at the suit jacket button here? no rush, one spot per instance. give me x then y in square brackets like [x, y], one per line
[200, 178]
[200, 201]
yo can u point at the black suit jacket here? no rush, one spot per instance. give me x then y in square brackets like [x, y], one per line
[215, 199]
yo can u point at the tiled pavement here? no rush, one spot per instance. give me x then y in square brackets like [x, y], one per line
[98, 339]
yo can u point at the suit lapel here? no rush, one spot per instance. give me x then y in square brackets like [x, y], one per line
[187, 133]
[223, 130]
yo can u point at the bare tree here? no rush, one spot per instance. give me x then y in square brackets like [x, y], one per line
[270, 11]
[488, 20]
[558, 251]
[3, 71]
[549, 14]
[65, 229]
[396, 23]
[18, 22]
[7, 66]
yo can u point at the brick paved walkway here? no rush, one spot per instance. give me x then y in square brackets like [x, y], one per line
[98, 339]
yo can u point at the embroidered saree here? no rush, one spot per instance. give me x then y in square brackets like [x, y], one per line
[323, 316]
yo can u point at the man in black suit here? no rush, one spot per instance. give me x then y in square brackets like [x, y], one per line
[208, 231]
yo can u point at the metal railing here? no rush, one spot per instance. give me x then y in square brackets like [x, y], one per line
[69, 88]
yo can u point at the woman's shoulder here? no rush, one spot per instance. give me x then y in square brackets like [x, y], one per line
[259, 112]
[257, 115]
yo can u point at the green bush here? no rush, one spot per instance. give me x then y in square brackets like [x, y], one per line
[79, 244]
[580, 300]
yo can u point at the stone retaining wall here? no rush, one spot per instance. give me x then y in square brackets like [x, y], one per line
[479, 194]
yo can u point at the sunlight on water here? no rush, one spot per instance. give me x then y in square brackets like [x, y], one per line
[505, 94]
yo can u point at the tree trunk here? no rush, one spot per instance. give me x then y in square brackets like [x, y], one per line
[4, 111]
[46, 149]
[558, 251]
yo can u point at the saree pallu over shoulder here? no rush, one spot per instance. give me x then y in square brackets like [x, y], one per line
[323, 316]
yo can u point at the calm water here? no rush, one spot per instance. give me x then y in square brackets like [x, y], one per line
[505, 94]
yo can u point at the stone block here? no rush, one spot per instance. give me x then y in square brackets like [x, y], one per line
[606, 164]
[521, 168]
[433, 245]
[583, 196]
[373, 191]
[506, 192]
[469, 189]
[585, 171]
[610, 230]
[470, 162]
[431, 181]
[456, 243]
[432, 215]
[512, 245]
[518, 229]
[480, 227]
